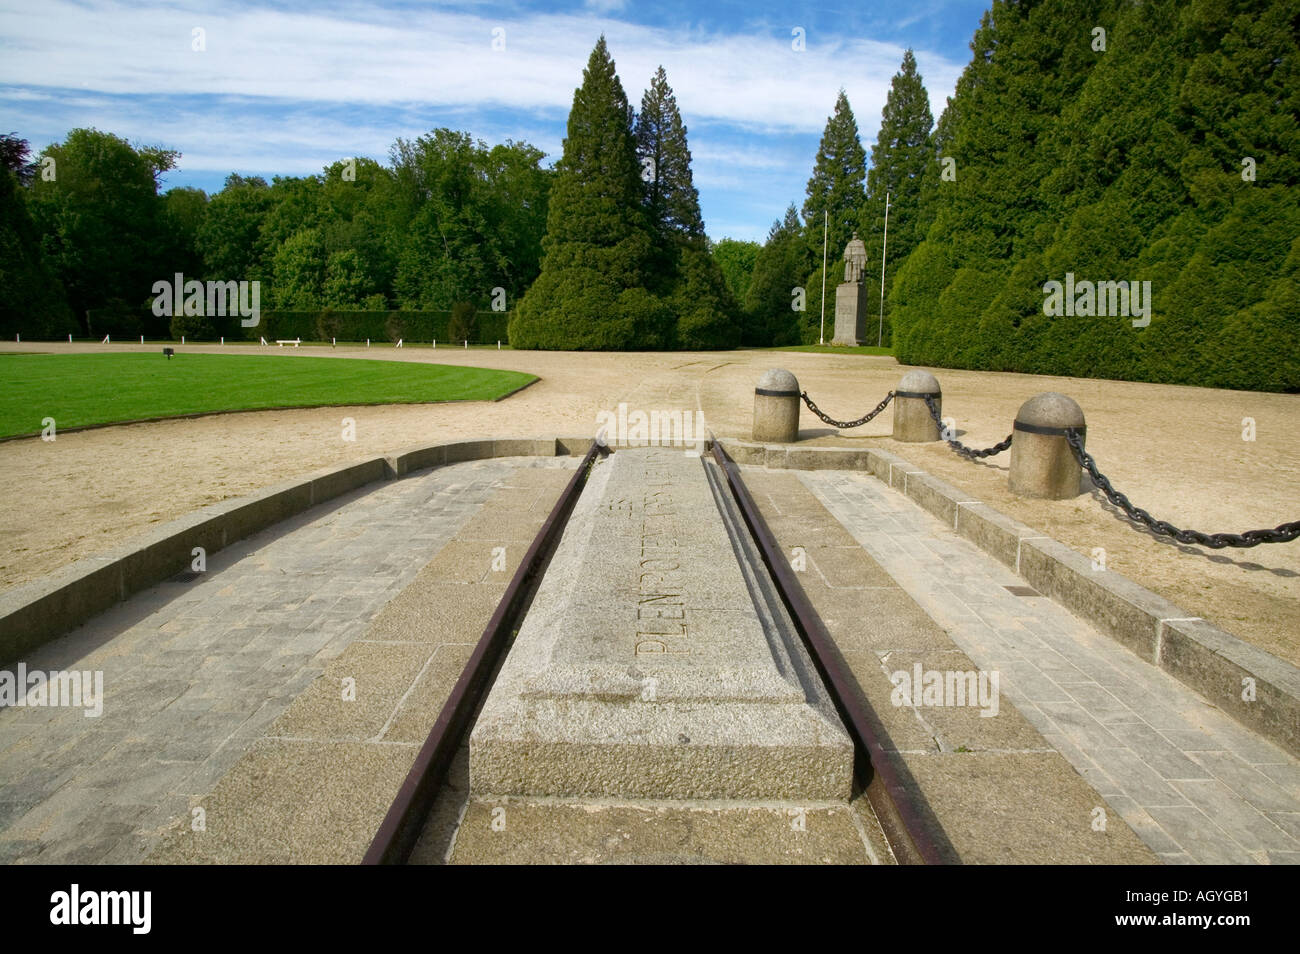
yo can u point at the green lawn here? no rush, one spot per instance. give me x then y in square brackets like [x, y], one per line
[103, 388]
[836, 349]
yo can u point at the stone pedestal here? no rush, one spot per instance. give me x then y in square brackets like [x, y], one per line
[656, 663]
[1042, 464]
[913, 421]
[850, 314]
[776, 407]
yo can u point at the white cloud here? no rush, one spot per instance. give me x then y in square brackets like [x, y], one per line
[287, 92]
[443, 58]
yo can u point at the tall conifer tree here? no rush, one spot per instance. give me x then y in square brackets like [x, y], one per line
[591, 293]
[899, 159]
[836, 183]
[672, 201]
[769, 319]
[684, 270]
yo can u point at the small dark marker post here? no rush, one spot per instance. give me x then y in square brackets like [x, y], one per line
[168, 352]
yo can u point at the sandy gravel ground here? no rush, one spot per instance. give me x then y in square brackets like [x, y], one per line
[1176, 451]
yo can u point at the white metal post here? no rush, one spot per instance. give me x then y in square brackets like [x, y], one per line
[825, 223]
[884, 247]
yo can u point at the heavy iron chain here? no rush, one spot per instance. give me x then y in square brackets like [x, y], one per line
[1284, 533]
[968, 452]
[834, 423]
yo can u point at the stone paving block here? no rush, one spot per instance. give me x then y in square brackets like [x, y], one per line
[435, 612]
[1286, 776]
[1100, 686]
[1105, 786]
[1137, 818]
[1055, 666]
[1079, 725]
[903, 731]
[1201, 838]
[1247, 827]
[806, 533]
[293, 802]
[1101, 704]
[1141, 782]
[539, 833]
[1229, 736]
[462, 561]
[382, 672]
[877, 618]
[845, 567]
[986, 720]
[419, 710]
[992, 822]
[1250, 784]
[1034, 685]
[502, 528]
[1161, 755]
[1289, 822]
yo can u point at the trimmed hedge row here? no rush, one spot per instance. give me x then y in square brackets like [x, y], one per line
[413, 326]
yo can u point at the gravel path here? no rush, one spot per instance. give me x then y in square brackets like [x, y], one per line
[1176, 451]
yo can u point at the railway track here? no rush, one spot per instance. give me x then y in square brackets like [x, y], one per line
[913, 834]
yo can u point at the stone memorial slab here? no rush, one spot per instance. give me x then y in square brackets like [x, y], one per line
[851, 297]
[656, 660]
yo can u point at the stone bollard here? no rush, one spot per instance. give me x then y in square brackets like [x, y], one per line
[1042, 464]
[776, 407]
[912, 419]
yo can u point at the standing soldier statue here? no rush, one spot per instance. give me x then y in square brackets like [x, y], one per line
[850, 297]
[855, 260]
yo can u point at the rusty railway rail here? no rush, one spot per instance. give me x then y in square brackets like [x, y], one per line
[911, 830]
[910, 827]
[401, 827]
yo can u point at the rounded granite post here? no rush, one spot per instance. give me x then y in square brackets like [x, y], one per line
[776, 407]
[1042, 464]
[912, 419]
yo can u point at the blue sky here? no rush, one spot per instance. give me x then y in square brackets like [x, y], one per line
[286, 88]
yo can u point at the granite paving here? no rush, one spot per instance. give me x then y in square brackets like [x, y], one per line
[197, 669]
[1193, 783]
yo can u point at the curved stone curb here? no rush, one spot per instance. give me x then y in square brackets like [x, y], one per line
[1197, 653]
[37, 612]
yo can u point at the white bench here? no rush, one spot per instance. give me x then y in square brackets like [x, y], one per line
[284, 341]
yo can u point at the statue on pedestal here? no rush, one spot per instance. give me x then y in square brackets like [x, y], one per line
[851, 296]
[855, 259]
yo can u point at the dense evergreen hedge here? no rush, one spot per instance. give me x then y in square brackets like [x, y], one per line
[414, 327]
[1171, 156]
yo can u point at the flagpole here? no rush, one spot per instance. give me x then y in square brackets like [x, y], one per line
[825, 222]
[884, 247]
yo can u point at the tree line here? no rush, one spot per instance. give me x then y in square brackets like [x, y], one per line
[780, 282]
[84, 227]
[1090, 141]
[625, 261]
[1108, 141]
